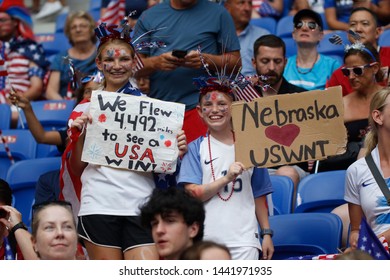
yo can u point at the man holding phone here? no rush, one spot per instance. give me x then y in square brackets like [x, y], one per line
[184, 25]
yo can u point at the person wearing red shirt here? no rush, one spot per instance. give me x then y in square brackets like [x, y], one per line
[365, 23]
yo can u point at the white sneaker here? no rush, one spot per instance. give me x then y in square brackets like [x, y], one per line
[48, 9]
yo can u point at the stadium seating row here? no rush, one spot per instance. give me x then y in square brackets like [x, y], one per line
[320, 192]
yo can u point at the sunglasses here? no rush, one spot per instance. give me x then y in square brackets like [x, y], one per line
[357, 70]
[87, 79]
[310, 24]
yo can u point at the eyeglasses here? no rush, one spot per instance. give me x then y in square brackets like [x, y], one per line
[81, 26]
[357, 70]
[310, 24]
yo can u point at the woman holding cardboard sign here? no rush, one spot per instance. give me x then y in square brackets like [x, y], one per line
[109, 220]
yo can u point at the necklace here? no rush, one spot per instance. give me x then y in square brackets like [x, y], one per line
[213, 174]
[305, 72]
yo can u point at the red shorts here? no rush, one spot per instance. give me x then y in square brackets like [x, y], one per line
[193, 126]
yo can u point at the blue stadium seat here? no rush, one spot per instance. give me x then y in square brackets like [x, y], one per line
[95, 14]
[305, 234]
[282, 197]
[267, 23]
[326, 27]
[327, 48]
[291, 46]
[59, 43]
[321, 192]
[95, 5]
[60, 22]
[21, 145]
[5, 116]
[52, 114]
[285, 27]
[384, 39]
[22, 178]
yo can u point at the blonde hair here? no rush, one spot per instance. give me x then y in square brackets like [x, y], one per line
[378, 102]
[84, 15]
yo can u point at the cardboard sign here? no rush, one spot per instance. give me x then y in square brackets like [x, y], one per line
[290, 128]
[131, 132]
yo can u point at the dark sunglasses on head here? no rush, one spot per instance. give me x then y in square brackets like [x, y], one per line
[310, 24]
[357, 70]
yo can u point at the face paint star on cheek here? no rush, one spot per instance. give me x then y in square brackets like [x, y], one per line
[223, 109]
[107, 67]
[206, 110]
[127, 66]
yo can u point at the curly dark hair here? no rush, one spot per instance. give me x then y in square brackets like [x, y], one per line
[165, 201]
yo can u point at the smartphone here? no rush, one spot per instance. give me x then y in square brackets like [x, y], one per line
[179, 53]
[3, 214]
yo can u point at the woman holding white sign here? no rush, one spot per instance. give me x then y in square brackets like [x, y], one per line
[110, 198]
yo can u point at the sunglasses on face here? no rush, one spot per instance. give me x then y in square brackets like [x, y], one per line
[310, 24]
[357, 70]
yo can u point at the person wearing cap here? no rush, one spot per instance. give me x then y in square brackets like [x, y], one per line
[308, 68]
[364, 22]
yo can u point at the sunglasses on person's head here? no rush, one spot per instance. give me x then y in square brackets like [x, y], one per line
[357, 70]
[310, 24]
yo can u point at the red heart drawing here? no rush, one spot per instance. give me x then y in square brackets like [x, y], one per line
[284, 135]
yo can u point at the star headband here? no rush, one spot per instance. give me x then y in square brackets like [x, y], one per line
[238, 86]
[123, 32]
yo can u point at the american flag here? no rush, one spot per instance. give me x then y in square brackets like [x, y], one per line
[244, 89]
[139, 64]
[3, 68]
[114, 13]
[370, 243]
[70, 184]
[18, 54]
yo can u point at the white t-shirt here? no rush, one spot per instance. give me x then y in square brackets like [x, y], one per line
[362, 189]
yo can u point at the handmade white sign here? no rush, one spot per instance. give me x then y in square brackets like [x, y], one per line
[131, 132]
